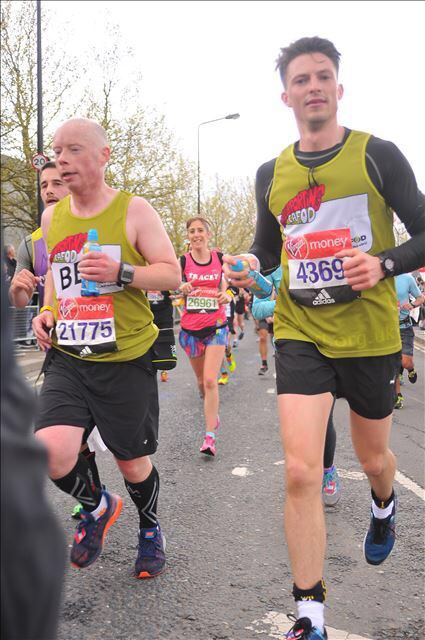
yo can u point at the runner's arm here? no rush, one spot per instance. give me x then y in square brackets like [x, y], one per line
[147, 235]
[397, 184]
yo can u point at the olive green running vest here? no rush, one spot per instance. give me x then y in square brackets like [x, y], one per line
[308, 204]
[131, 319]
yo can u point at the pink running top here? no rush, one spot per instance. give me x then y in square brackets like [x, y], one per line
[201, 307]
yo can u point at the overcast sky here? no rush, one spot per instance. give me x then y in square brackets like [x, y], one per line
[203, 60]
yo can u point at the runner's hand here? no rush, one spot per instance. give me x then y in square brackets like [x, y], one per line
[42, 326]
[361, 270]
[223, 297]
[24, 281]
[186, 288]
[98, 266]
[237, 278]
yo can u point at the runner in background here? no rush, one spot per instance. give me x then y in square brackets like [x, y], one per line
[164, 347]
[409, 297]
[204, 331]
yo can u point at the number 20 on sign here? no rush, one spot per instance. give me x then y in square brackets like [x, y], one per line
[38, 161]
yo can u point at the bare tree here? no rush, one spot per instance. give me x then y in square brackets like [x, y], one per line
[19, 111]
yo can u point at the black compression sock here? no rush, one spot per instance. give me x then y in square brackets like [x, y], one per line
[90, 456]
[79, 482]
[145, 497]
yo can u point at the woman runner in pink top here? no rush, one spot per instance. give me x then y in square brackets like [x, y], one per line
[204, 329]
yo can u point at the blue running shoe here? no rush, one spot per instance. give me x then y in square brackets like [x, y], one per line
[379, 540]
[90, 534]
[150, 560]
[304, 630]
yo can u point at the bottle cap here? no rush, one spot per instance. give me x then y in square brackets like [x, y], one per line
[92, 235]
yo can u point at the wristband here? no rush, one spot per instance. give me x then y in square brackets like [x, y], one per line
[46, 307]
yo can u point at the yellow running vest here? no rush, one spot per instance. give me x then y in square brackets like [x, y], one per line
[308, 204]
[133, 319]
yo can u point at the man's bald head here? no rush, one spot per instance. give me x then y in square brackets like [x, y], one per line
[89, 129]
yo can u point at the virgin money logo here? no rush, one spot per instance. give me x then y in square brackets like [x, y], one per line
[68, 308]
[297, 248]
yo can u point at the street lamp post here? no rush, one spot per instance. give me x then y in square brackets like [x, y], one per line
[231, 116]
[39, 108]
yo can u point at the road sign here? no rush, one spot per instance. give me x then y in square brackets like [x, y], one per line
[39, 160]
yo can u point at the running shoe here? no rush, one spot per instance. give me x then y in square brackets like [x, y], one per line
[150, 560]
[412, 375]
[208, 446]
[331, 487]
[90, 534]
[398, 403]
[304, 630]
[235, 344]
[380, 538]
[231, 363]
[224, 378]
[263, 370]
[164, 376]
[241, 335]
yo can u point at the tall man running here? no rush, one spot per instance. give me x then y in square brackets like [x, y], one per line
[99, 369]
[328, 201]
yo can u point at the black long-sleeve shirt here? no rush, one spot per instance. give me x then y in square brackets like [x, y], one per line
[392, 176]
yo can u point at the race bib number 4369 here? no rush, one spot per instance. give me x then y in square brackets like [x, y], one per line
[316, 276]
[86, 325]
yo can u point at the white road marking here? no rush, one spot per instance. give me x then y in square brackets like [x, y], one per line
[407, 483]
[280, 624]
[271, 390]
[242, 472]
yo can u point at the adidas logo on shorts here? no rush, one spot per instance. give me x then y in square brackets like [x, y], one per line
[323, 297]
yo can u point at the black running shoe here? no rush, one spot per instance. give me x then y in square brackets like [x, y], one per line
[304, 630]
[263, 370]
[412, 375]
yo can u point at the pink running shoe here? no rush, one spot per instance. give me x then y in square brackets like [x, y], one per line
[208, 446]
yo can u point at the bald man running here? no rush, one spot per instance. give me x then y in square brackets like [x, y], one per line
[99, 367]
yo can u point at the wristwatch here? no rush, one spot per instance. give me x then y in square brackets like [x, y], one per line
[387, 265]
[125, 273]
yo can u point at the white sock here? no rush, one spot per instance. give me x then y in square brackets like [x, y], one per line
[382, 513]
[313, 610]
[100, 509]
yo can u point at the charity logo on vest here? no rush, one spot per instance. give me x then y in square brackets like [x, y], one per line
[303, 207]
[316, 276]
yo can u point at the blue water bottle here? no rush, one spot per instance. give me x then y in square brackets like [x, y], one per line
[261, 287]
[90, 287]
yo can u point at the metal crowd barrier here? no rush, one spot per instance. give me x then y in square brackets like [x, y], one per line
[21, 324]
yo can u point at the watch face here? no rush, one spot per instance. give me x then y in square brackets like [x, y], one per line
[389, 264]
[127, 274]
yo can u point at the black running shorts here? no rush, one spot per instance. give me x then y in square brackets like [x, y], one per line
[367, 383]
[120, 398]
[407, 340]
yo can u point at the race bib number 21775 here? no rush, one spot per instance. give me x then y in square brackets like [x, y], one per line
[86, 325]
